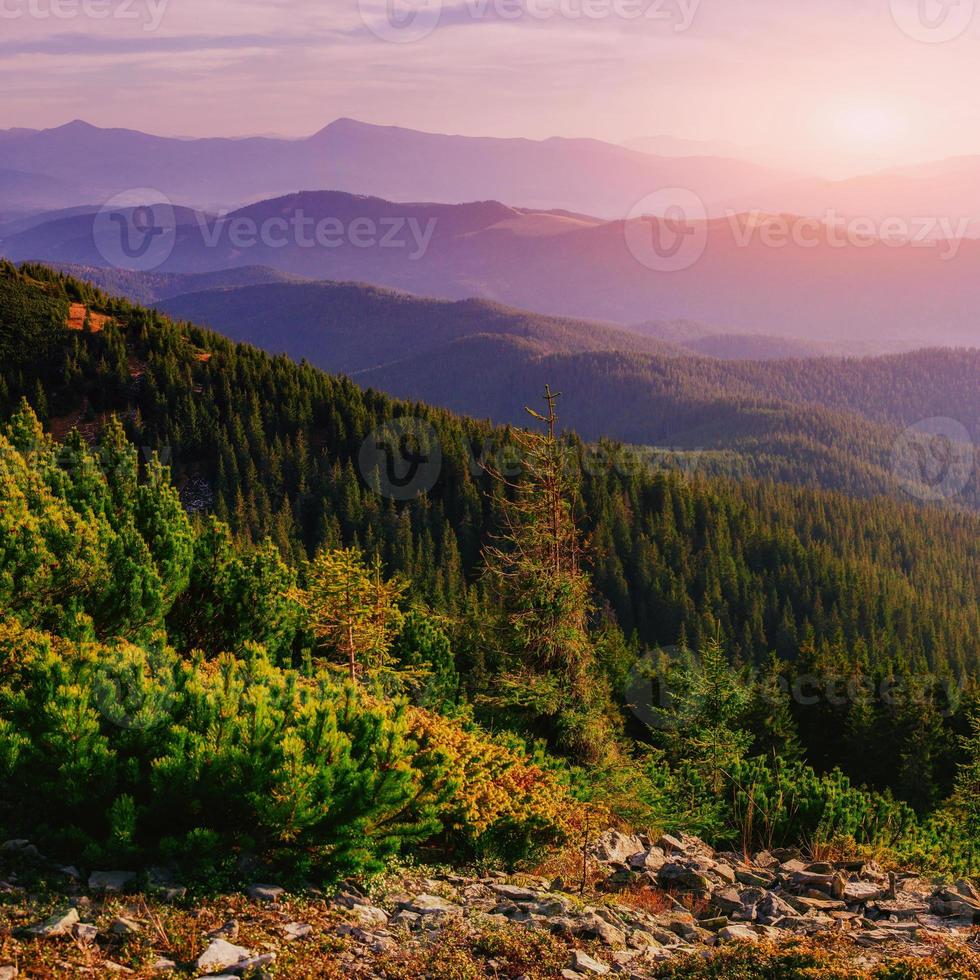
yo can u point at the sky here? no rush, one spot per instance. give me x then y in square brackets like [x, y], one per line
[834, 87]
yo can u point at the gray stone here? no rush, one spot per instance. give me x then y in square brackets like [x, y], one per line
[110, 881]
[583, 963]
[228, 931]
[265, 893]
[163, 965]
[368, 915]
[296, 930]
[616, 848]
[124, 927]
[59, 924]
[738, 934]
[429, 905]
[85, 932]
[681, 876]
[515, 893]
[221, 954]
[862, 891]
[8, 972]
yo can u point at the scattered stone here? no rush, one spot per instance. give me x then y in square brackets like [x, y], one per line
[8, 972]
[616, 848]
[163, 965]
[220, 955]
[228, 931]
[59, 924]
[583, 963]
[429, 905]
[265, 893]
[85, 932]
[296, 930]
[738, 934]
[110, 881]
[124, 927]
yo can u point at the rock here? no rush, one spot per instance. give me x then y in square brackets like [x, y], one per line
[221, 954]
[163, 965]
[70, 871]
[368, 915]
[515, 893]
[738, 934]
[110, 881]
[296, 930]
[680, 876]
[862, 891]
[228, 931]
[616, 848]
[725, 872]
[670, 845]
[403, 919]
[651, 860]
[429, 905]
[59, 924]
[583, 963]
[251, 964]
[772, 908]
[124, 927]
[85, 932]
[589, 926]
[265, 893]
[713, 925]
[8, 972]
[754, 879]
[727, 900]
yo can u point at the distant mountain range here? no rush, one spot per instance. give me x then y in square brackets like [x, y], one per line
[827, 421]
[79, 163]
[82, 164]
[866, 295]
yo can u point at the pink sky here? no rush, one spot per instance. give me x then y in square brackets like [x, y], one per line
[832, 86]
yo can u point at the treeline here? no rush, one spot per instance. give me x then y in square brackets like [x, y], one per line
[874, 591]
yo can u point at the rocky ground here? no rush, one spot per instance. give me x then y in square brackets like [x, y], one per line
[648, 904]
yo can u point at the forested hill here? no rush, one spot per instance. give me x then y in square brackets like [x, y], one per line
[830, 422]
[827, 582]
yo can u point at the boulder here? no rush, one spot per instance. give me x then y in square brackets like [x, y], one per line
[616, 848]
[296, 930]
[59, 924]
[85, 932]
[583, 963]
[220, 955]
[111, 881]
[738, 934]
[682, 876]
[265, 893]
[124, 928]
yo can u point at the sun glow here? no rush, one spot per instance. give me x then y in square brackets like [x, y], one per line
[867, 124]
